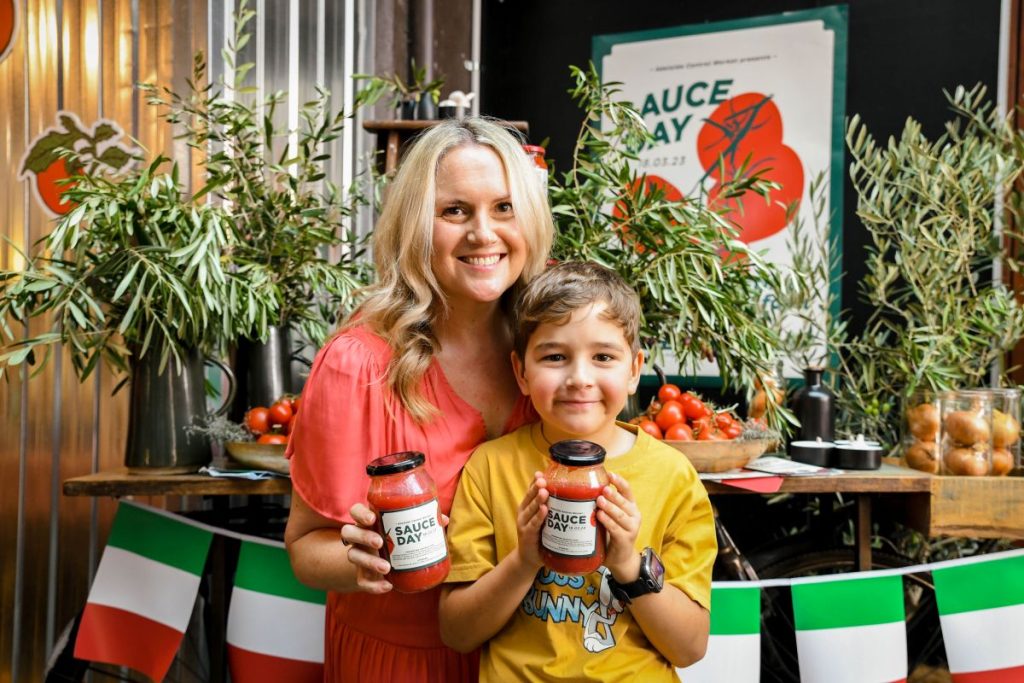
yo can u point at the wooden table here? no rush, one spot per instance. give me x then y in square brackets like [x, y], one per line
[911, 488]
[976, 507]
[392, 135]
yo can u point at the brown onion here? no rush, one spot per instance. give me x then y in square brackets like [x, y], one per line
[966, 427]
[1005, 429]
[966, 461]
[923, 421]
[921, 455]
[1002, 461]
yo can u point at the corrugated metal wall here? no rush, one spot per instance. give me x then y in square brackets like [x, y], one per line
[85, 56]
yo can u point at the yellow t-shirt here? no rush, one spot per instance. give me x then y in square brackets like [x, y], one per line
[570, 627]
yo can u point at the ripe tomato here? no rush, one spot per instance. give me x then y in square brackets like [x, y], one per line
[290, 427]
[710, 434]
[679, 432]
[258, 420]
[279, 439]
[733, 431]
[671, 412]
[280, 413]
[668, 392]
[723, 420]
[295, 404]
[703, 424]
[651, 428]
[693, 407]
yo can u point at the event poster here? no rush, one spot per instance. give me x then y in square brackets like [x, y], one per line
[762, 94]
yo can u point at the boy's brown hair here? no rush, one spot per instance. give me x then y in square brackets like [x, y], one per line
[555, 294]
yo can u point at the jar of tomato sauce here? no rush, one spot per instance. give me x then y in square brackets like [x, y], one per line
[404, 497]
[572, 540]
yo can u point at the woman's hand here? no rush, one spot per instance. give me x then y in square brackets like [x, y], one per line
[363, 542]
[618, 512]
[530, 520]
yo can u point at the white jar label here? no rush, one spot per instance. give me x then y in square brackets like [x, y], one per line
[414, 537]
[571, 527]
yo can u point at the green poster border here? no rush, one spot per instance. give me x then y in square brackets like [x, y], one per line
[836, 19]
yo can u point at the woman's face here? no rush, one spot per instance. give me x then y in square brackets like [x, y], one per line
[478, 250]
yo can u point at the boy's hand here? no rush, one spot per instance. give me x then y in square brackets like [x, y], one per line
[530, 520]
[617, 510]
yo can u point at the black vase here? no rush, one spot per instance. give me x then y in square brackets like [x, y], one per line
[814, 406]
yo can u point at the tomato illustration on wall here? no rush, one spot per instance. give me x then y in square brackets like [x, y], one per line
[8, 26]
[747, 129]
[96, 149]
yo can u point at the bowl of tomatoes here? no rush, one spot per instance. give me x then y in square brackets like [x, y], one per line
[259, 456]
[269, 427]
[712, 439]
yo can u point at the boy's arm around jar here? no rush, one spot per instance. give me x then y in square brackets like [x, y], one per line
[676, 625]
[472, 613]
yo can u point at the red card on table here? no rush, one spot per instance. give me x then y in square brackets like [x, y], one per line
[756, 484]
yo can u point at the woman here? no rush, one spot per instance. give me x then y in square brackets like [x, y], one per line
[422, 365]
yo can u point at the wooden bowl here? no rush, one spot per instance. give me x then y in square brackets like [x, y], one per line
[719, 456]
[259, 456]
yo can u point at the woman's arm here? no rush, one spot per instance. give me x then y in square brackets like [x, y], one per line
[473, 613]
[331, 556]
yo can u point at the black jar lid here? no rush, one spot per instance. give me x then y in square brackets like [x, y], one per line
[577, 453]
[395, 462]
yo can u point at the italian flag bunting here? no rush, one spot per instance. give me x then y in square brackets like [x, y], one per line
[850, 629]
[981, 609]
[144, 590]
[734, 649]
[275, 624]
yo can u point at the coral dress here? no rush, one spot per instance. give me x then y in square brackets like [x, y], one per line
[344, 425]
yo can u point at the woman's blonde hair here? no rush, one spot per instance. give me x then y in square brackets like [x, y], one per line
[406, 300]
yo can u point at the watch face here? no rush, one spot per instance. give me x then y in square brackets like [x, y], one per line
[655, 569]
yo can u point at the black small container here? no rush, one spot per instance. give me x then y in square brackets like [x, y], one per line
[814, 405]
[817, 452]
[857, 454]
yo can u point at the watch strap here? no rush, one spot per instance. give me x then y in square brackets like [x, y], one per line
[643, 584]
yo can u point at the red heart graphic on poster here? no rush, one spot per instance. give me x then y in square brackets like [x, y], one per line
[651, 182]
[8, 24]
[747, 124]
[754, 218]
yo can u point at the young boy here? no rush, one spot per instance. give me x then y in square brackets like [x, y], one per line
[577, 357]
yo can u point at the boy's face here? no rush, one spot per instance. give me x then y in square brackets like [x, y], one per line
[578, 375]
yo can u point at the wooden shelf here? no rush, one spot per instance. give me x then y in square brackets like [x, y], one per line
[392, 135]
[120, 482]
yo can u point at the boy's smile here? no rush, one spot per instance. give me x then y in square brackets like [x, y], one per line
[578, 375]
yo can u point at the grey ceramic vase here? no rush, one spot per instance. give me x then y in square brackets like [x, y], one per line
[161, 408]
[263, 371]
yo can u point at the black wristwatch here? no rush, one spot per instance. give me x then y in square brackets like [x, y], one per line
[651, 579]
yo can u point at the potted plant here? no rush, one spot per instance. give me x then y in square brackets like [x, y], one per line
[416, 98]
[699, 286]
[939, 317]
[288, 220]
[135, 275]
